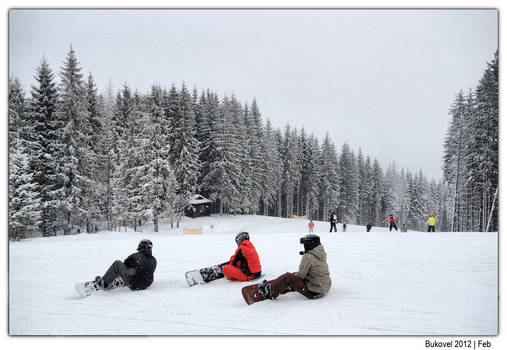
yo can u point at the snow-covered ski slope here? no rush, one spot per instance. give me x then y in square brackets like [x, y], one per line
[384, 283]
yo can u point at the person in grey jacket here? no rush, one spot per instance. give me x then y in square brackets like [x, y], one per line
[312, 280]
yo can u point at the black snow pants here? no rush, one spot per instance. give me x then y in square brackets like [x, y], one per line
[289, 282]
[118, 269]
[333, 224]
[391, 225]
[431, 228]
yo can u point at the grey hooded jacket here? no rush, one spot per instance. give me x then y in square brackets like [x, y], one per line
[314, 270]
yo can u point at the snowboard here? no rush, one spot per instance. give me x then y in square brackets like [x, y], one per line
[251, 294]
[204, 275]
[85, 289]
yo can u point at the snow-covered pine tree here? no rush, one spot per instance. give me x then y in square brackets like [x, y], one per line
[17, 120]
[94, 137]
[108, 154]
[240, 146]
[455, 154]
[417, 205]
[483, 147]
[363, 190]
[24, 206]
[17, 109]
[186, 148]
[203, 113]
[348, 182]
[291, 169]
[254, 134]
[77, 157]
[158, 180]
[377, 195]
[309, 174]
[224, 178]
[271, 179]
[45, 149]
[329, 186]
[120, 140]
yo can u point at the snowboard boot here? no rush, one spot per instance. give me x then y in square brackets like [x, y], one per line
[217, 272]
[265, 289]
[117, 283]
[211, 273]
[99, 283]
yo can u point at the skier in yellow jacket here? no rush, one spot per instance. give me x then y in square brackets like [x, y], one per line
[431, 223]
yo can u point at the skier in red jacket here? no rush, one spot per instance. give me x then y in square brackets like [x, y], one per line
[244, 264]
[392, 222]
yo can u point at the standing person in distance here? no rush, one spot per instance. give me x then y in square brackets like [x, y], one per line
[344, 227]
[312, 280]
[135, 272]
[368, 227]
[392, 222]
[332, 220]
[244, 265]
[310, 226]
[431, 223]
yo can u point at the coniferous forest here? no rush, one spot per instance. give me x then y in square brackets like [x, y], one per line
[83, 161]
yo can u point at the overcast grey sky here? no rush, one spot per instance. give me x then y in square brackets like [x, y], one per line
[381, 80]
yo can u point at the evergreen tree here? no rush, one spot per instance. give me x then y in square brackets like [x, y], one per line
[45, 149]
[24, 207]
[329, 186]
[76, 159]
[347, 174]
[271, 179]
[158, 179]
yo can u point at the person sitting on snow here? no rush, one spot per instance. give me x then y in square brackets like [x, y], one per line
[244, 265]
[312, 280]
[136, 272]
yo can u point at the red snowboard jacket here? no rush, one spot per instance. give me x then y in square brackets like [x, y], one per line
[391, 219]
[246, 258]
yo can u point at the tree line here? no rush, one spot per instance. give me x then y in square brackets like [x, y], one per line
[80, 160]
[470, 160]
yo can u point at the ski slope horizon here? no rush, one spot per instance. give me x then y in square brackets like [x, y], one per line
[383, 283]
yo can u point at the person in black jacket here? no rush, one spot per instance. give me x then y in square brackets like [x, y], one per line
[332, 220]
[136, 272]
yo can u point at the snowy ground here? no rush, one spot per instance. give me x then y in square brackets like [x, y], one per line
[384, 283]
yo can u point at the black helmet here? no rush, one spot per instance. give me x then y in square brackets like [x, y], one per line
[310, 241]
[240, 237]
[145, 244]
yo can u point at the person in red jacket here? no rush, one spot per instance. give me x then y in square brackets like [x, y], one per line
[310, 226]
[244, 264]
[392, 222]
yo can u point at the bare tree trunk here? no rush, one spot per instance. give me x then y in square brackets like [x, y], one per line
[492, 209]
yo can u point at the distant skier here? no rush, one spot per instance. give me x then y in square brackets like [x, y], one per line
[392, 222]
[312, 280]
[310, 226]
[344, 227]
[332, 220]
[431, 223]
[136, 272]
[368, 228]
[244, 265]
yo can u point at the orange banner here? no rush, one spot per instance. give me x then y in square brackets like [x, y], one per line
[192, 231]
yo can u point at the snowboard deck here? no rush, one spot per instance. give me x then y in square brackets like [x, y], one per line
[194, 277]
[251, 294]
[205, 274]
[85, 289]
